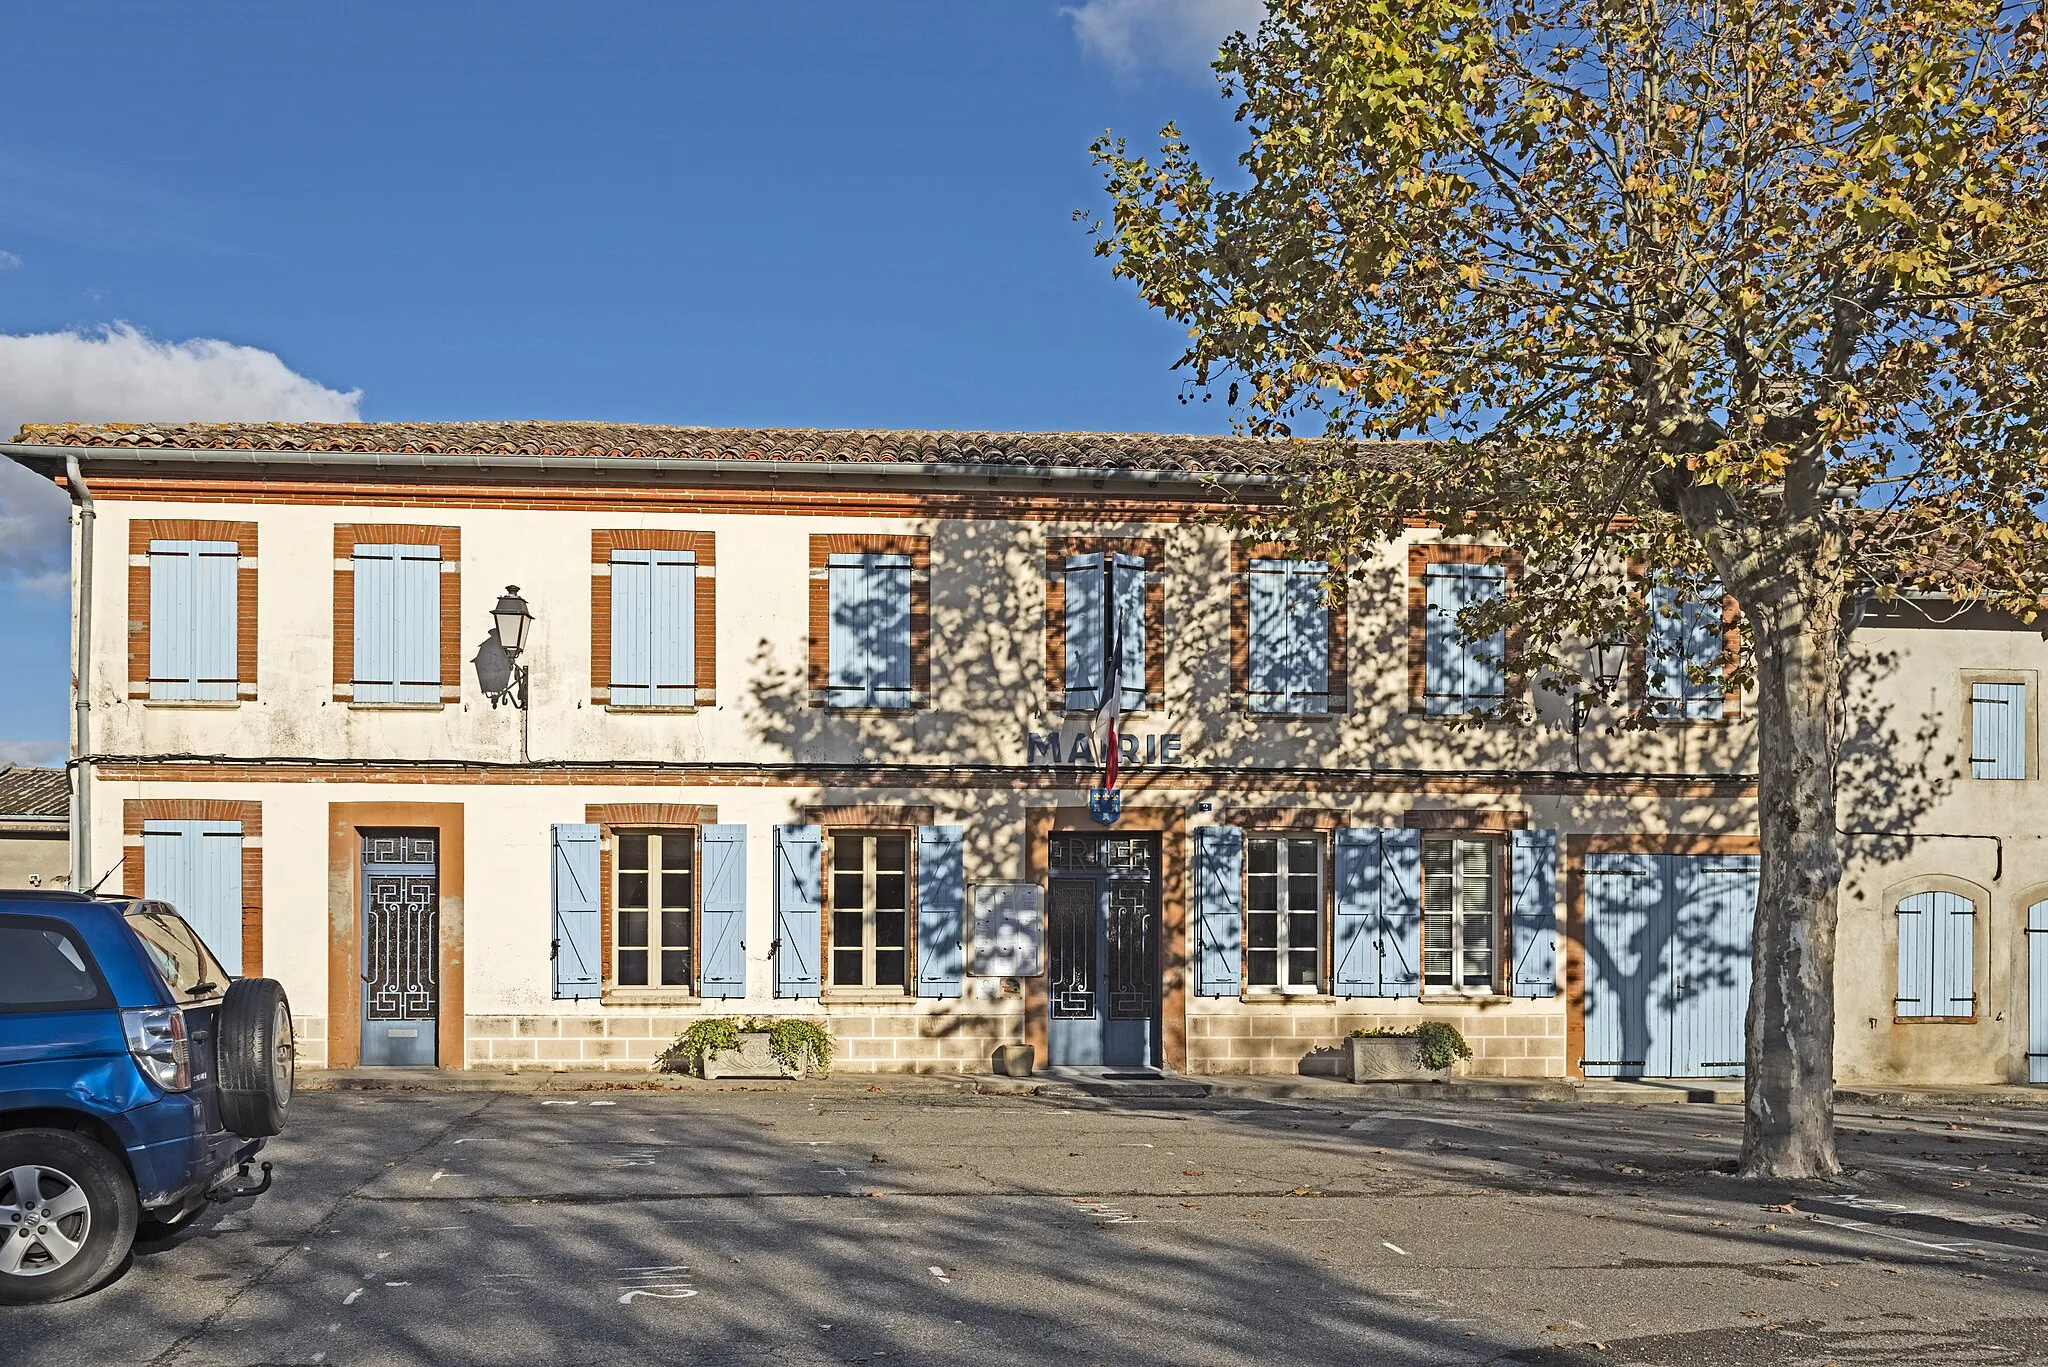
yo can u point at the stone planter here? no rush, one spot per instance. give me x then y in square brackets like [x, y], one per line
[1388, 1060]
[752, 1059]
[1013, 1060]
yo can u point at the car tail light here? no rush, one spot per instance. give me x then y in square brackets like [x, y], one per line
[156, 1037]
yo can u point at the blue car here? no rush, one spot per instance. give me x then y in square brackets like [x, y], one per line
[136, 1081]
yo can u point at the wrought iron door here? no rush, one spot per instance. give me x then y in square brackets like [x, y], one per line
[1103, 950]
[401, 947]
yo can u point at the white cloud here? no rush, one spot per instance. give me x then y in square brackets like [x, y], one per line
[33, 752]
[121, 374]
[1129, 36]
[8, 261]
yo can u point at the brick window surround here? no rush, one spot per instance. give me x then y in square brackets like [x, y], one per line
[140, 534]
[1242, 553]
[1058, 549]
[704, 545]
[658, 816]
[1638, 681]
[349, 535]
[1421, 556]
[919, 549]
[134, 812]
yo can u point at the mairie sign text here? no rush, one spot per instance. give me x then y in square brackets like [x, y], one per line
[1050, 748]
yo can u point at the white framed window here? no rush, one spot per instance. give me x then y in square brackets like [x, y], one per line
[654, 887]
[1460, 914]
[870, 909]
[1283, 913]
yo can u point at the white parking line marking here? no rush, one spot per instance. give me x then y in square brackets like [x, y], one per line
[1396, 1247]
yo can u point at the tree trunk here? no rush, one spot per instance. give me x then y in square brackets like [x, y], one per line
[1788, 1087]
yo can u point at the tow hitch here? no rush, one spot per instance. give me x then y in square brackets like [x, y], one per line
[236, 1189]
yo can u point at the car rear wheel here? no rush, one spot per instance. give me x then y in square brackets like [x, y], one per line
[257, 1058]
[67, 1215]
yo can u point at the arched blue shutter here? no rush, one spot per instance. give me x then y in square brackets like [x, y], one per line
[941, 910]
[1532, 865]
[799, 933]
[723, 914]
[1219, 910]
[577, 948]
[1937, 955]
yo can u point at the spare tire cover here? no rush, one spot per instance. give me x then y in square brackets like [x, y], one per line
[257, 1060]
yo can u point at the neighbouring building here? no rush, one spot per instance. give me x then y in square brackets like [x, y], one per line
[35, 811]
[810, 729]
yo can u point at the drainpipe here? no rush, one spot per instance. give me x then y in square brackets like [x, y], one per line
[81, 687]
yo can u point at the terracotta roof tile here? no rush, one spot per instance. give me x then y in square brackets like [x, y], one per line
[38, 793]
[1221, 455]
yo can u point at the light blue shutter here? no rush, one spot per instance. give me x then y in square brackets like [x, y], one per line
[1129, 573]
[1379, 913]
[578, 938]
[376, 579]
[1533, 915]
[1455, 680]
[1485, 676]
[1705, 638]
[196, 866]
[722, 968]
[868, 646]
[2037, 992]
[1085, 626]
[192, 619]
[1307, 673]
[416, 643]
[1915, 918]
[1219, 910]
[799, 935]
[1400, 932]
[1665, 655]
[1998, 730]
[1356, 928]
[673, 648]
[1267, 635]
[632, 681]
[941, 910]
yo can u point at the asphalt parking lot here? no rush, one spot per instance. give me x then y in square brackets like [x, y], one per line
[901, 1222]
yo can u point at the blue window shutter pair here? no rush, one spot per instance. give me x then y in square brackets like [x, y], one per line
[196, 866]
[1378, 930]
[1088, 596]
[1998, 730]
[578, 939]
[398, 624]
[941, 910]
[1289, 631]
[654, 629]
[868, 648]
[1219, 910]
[192, 619]
[1685, 636]
[1460, 675]
[1937, 955]
[799, 933]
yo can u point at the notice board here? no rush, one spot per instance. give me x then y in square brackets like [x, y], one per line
[1007, 937]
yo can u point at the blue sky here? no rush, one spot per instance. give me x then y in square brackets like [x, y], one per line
[812, 214]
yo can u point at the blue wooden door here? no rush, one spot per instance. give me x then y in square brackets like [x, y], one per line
[1102, 934]
[1713, 909]
[1628, 927]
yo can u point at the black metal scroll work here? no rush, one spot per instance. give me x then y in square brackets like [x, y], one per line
[1133, 951]
[401, 927]
[1071, 929]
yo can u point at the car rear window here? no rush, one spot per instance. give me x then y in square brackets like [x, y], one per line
[44, 967]
[188, 966]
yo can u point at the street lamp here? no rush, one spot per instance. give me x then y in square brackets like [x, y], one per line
[1610, 658]
[512, 621]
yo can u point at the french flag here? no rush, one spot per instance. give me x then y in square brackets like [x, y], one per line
[1112, 683]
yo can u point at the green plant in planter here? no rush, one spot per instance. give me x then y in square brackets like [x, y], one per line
[794, 1043]
[1438, 1044]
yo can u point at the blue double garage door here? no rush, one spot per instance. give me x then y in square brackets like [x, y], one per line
[1666, 943]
